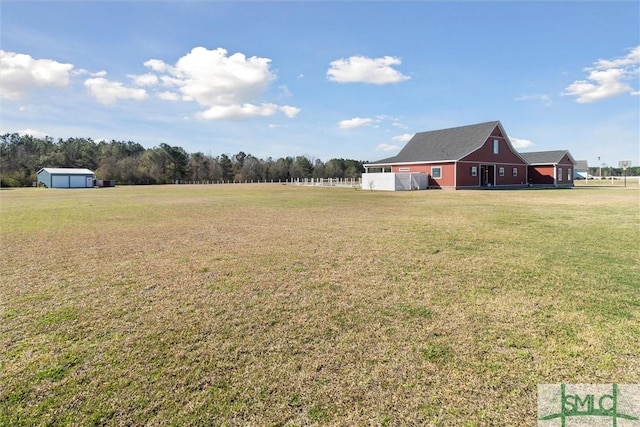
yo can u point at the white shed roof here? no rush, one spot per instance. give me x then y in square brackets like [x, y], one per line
[67, 171]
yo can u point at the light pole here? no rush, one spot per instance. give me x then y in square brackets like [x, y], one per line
[599, 168]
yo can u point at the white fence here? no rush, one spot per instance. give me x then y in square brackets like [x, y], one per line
[330, 182]
[319, 182]
[388, 181]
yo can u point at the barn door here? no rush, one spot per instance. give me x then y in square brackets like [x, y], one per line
[487, 175]
[89, 182]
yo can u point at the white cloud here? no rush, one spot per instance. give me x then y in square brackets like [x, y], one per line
[218, 112]
[211, 78]
[228, 86]
[21, 74]
[399, 139]
[601, 85]
[366, 70]
[632, 59]
[157, 65]
[168, 96]
[544, 99]
[34, 133]
[607, 78]
[289, 111]
[144, 79]
[388, 147]
[238, 111]
[520, 143]
[285, 92]
[356, 122]
[402, 138]
[399, 125]
[108, 92]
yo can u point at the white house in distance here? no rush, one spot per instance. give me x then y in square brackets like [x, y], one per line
[66, 178]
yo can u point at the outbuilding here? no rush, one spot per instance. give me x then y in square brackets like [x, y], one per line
[581, 170]
[550, 168]
[66, 178]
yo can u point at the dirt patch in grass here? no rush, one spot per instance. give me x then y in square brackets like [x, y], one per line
[282, 305]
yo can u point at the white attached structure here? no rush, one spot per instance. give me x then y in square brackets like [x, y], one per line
[390, 181]
[66, 178]
[581, 170]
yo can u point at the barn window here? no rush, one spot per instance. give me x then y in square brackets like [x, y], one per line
[496, 146]
[404, 169]
[515, 171]
[501, 171]
[436, 172]
[569, 176]
[474, 171]
[559, 174]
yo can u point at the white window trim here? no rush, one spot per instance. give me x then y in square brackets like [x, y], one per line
[474, 171]
[501, 171]
[439, 169]
[496, 146]
[559, 174]
[515, 172]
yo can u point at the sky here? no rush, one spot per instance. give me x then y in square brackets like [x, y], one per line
[323, 79]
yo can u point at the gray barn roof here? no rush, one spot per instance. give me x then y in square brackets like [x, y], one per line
[582, 164]
[546, 157]
[444, 144]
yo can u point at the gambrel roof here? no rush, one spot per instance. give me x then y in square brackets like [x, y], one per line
[445, 144]
[546, 157]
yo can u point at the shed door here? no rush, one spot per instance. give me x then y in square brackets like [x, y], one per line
[60, 181]
[77, 181]
[89, 182]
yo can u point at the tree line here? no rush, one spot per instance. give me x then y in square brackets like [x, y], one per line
[22, 156]
[609, 171]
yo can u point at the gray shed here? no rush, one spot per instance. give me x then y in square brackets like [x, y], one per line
[66, 178]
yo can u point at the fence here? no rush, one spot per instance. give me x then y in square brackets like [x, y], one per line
[391, 181]
[316, 182]
[330, 182]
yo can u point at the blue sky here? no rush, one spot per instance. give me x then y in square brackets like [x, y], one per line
[324, 79]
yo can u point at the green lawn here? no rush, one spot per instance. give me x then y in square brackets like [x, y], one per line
[282, 305]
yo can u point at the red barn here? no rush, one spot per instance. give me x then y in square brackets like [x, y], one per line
[550, 168]
[472, 156]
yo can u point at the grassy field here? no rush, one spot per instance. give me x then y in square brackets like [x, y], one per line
[280, 305]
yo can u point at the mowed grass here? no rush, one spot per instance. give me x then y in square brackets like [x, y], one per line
[276, 305]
